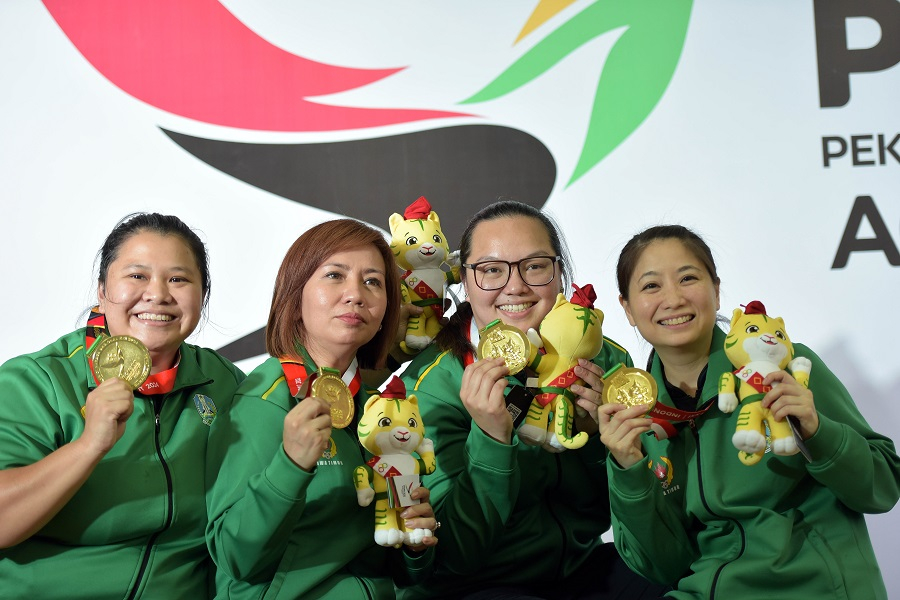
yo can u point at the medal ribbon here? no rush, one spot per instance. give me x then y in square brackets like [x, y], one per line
[294, 374]
[674, 415]
[665, 417]
[473, 336]
[159, 383]
[297, 372]
[96, 327]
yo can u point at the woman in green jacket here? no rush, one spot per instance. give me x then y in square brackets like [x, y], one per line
[518, 521]
[285, 521]
[99, 489]
[686, 510]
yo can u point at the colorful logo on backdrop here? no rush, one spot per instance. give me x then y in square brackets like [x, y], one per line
[197, 60]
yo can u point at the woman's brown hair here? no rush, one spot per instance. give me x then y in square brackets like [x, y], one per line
[285, 328]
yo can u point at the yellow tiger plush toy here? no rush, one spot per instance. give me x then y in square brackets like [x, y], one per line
[391, 429]
[421, 250]
[571, 330]
[758, 345]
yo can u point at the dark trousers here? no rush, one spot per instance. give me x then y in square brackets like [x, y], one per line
[603, 577]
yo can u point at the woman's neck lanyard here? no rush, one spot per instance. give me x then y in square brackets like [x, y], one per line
[474, 337]
[299, 374]
[157, 383]
[667, 419]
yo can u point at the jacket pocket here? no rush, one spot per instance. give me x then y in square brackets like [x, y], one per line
[832, 567]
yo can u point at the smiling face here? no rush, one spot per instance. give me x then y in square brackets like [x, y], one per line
[153, 292]
[517, 304]
[672, 299]
[342, 305]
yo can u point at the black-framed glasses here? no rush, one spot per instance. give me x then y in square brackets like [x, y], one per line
[534, 271]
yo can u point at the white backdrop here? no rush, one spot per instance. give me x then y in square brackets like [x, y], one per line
[733, 150]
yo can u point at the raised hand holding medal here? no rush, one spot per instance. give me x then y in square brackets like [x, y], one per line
[324, 402]
[324, 383]
[120, 364]
[120, 357]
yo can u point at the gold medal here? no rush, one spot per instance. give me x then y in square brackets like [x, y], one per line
[328, 386]
[499, 340]
[629, 386]
[124, 357]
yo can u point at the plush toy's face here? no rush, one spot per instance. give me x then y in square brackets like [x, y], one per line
[418, 243]
[391, 425]
[757, 337]
[571, 330]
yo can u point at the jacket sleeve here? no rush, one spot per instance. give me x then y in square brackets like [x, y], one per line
[651, 538]
[256, 492]
[31, 426]
[475, 485]
[845, 444]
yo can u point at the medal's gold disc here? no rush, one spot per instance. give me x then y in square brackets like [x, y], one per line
[334, 391]
[629, 386]
[124, 357]
[499, 340]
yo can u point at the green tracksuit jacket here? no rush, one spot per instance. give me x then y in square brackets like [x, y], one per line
[510, 514]
[277, 531]
[135, 528]
[784, 528]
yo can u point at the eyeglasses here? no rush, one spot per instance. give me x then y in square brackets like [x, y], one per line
[534, 271]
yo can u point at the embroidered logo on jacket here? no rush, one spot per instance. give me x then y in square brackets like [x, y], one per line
[206, 407]
[665, 473]
[328, 457]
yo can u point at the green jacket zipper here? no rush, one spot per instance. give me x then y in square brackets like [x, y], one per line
[170, 502]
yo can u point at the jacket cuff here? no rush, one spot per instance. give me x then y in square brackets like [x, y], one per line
[825, 442]
[286, 478]
[485, 451]
[418, 563]
[632, 482]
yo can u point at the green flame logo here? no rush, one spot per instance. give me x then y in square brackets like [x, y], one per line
[636, 74]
